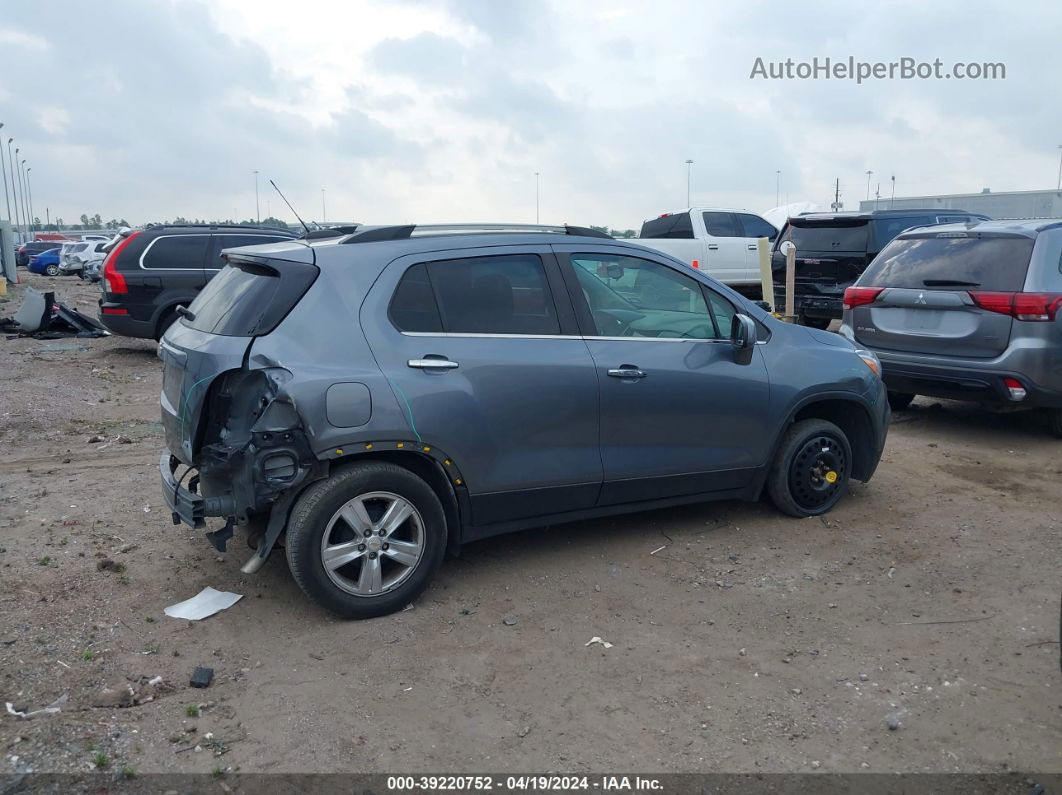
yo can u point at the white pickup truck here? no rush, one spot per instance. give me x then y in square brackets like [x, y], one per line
[723, 242]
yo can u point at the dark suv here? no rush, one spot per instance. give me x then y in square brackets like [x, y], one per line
[150, 272]
[35, 247]
[832, 249]
[381, 396]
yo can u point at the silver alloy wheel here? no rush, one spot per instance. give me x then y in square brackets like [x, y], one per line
[373, 543]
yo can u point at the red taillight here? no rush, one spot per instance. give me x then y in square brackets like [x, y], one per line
[113, 281]
[858, 296]
[1015, 388]
[1041, 307]
[112, 310]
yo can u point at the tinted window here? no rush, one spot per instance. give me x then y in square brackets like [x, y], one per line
[885, 229]
[677, 225]
[177, 252]
[826, 237]
[479, 295]
[949, 263]
[754, 226]
[100, 246]
[633, 297]
[413, 307]
[721, 225]
[221, 242]
[246, 300]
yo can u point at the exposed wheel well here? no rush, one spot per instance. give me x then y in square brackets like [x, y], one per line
[853, 419]
[427, 470]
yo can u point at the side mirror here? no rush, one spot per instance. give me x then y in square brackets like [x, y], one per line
[743, 338]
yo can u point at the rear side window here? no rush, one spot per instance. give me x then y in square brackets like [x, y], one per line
[176, 252]
[222, 242]
[885, 229]
[949, 263]
[249, 300]
[676, 226]
[506, 294]
[754, 226]
[721, 225]
[828, 237]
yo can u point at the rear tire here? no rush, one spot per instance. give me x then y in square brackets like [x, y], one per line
[1054, 422]
[821, 323]
[168, 319]
[401, 560]
[812, 451]
[899, 401]
[51, 270]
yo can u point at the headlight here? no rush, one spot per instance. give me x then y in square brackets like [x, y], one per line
[870, 360]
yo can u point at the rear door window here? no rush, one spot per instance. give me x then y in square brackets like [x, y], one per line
[754, 226]
[996, 264]
[722, 225]
[506, 294]
[851, 238]
[222, 242]
[885, 229]
[676, 225]
[176, 252]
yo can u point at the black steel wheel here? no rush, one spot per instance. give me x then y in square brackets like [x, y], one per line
[810, 473]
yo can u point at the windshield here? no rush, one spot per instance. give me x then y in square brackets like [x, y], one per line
[948, 263]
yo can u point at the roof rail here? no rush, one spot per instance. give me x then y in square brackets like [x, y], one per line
[331, 231]
[376, 234]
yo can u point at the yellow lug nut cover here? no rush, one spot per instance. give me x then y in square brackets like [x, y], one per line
[831, 477]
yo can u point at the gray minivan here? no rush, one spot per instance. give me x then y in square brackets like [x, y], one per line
[382, 396]
[966, 311]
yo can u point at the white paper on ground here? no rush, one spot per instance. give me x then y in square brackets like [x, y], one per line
[205, 603]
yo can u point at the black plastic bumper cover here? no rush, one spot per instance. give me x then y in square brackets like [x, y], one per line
[185, 505]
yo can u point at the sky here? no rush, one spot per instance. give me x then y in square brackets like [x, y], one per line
[422, 111]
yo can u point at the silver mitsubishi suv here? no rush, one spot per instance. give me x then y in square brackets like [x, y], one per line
[378, 397]
[966, 311]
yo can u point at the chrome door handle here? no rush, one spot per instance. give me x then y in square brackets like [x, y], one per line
[627, 371]
[713, 246]
[432, 364]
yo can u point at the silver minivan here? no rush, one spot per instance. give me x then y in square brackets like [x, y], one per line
[966, 311]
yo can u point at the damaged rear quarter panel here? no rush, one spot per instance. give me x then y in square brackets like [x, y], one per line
[338, 354]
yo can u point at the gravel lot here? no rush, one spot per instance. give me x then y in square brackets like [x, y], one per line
[913, 629]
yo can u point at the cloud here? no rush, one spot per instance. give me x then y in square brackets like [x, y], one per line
[437, 110]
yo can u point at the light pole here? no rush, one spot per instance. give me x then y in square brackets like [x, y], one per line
[324, 212]
[21, 192]
[25, 200]
[689, 172]
[257, 210]
[11, 162]
[1059, 188]
[868, 184]
[536, 197]
[894, 190]
[777, 186]
[29, 193]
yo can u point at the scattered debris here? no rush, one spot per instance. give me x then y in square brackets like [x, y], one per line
[596, 639]
[203, 605]
[120, 695]
[42, 317]
[109, 565]
[509, 621]
[863, 677]
[893, 723]
[524, 731]
[51, 709]
[658, 549]
[201, 677]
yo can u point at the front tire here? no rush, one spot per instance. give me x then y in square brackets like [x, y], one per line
[366, 541]
[811, 470]
[51, 270]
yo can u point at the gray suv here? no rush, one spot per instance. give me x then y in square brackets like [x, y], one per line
[383, 396]
[966, 311]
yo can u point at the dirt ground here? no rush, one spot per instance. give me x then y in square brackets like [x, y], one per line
[913, 629]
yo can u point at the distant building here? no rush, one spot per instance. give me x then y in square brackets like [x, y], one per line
[1008, 204]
